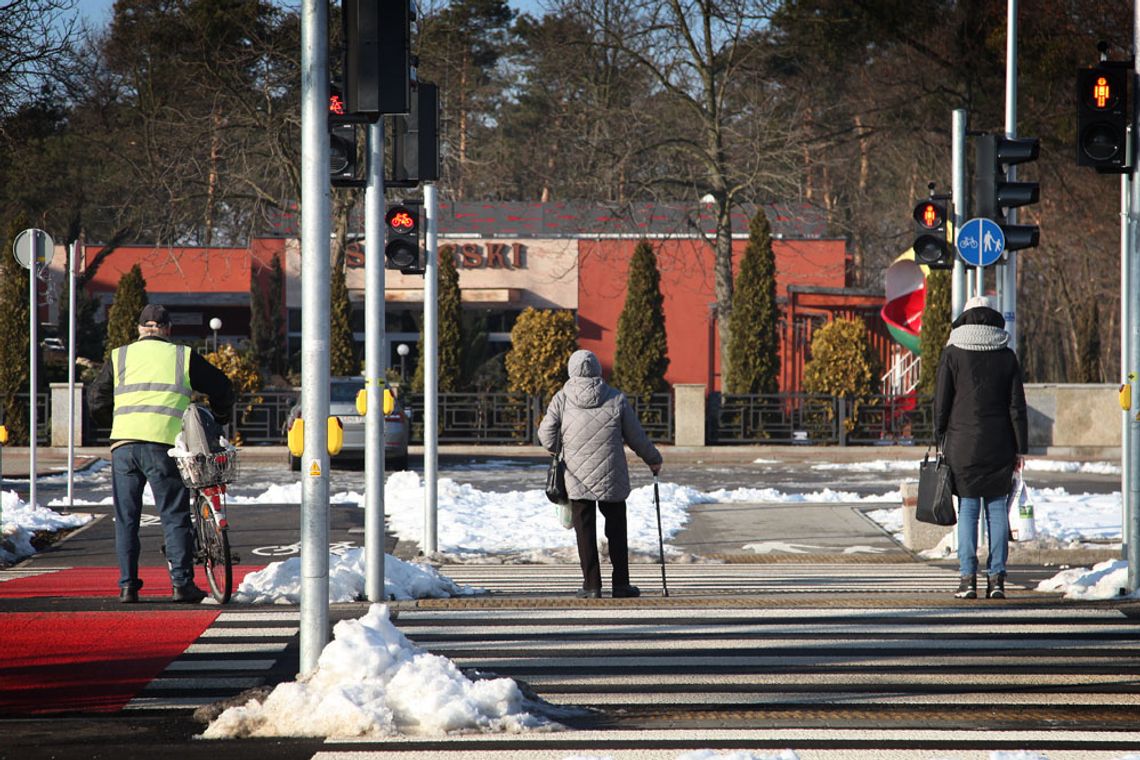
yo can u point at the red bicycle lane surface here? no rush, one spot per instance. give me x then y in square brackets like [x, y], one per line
[89, 661]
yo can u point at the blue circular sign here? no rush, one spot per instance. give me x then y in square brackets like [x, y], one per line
[980, 242]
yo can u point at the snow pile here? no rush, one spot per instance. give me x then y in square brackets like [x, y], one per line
[773, 496]
[20, 521]
[1103, 581]
[370, 681]
[280, 582]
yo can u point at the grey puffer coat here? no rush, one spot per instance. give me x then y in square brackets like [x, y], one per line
[592, 422]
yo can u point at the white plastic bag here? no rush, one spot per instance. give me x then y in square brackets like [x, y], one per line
[565, 516]
[1021, 524]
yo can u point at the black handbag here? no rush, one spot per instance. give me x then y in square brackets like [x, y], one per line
[556, 481]
[935, 491]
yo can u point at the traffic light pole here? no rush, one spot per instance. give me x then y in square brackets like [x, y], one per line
[961, 207]
[316, 213]
[1006, 274]
[1126, 312]
[431, 370]
[375, 365]
[1131, 290]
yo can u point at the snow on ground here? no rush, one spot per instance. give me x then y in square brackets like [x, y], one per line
[20, 521]
[280, 582]
[370, 681]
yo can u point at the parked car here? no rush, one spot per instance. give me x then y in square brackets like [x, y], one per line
[53, 344]
[342, 404]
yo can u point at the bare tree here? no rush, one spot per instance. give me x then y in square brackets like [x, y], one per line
[702, 57]
[35, 35]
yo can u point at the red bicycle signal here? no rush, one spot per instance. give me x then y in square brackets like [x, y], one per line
[400, 219]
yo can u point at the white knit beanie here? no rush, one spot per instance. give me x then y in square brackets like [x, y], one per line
[977, 301]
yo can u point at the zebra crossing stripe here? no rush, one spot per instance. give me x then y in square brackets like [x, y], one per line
[720, 578]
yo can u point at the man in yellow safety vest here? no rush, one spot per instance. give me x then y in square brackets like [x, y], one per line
[144, 390]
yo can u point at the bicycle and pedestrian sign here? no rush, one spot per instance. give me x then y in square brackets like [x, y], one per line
[980, 242]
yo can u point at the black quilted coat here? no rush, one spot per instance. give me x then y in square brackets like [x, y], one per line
[979, 406]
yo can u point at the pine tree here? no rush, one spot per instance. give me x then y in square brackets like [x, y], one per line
[123, 316]
[276, 305]
[343, 361]
[541, 344]
[260, 336]
[449, 324]
[935, 329]
[642, 354]
[13, 338]
[754, 337]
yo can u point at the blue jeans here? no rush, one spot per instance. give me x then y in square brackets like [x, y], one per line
[997, 525]
[133, 465]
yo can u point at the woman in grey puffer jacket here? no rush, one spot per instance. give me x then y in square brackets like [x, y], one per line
[591, 422]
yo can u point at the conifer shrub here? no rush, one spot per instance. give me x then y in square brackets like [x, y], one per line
[449, 318]
[754, 337]
[642, 353]
[935, 329]
[842, 364]
[123, 316]
[343, 359]
[244, 372]
[14, 338]
[541, 344]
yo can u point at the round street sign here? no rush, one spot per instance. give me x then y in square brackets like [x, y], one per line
[33, 245]
[980, 242]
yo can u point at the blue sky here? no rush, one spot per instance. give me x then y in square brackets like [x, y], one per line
[99, 11]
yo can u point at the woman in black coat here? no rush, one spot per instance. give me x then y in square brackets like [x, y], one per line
[980, 419]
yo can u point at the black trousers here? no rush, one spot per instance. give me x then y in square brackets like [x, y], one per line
[585, 528]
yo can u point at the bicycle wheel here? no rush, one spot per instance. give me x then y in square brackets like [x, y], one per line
[215, 553]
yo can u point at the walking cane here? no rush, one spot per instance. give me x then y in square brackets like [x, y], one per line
[660, 540]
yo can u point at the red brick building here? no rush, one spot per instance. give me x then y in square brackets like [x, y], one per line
[551, 256]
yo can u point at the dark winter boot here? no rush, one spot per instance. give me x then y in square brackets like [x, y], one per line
[967, 587]
[995, 586]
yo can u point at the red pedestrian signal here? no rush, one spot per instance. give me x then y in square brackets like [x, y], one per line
[930, 245]
[1102, 118]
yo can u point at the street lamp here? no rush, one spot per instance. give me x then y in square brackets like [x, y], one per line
[215, 325]
[402, 350]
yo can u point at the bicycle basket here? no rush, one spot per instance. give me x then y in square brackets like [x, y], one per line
[201, 470]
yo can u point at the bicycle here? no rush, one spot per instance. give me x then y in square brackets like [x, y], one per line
[206, 476]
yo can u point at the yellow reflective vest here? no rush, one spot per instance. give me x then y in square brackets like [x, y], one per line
[152, 390]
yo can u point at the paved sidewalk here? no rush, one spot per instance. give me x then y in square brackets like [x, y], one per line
[14, 460]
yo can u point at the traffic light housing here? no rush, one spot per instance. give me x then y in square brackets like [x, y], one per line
[402, 248]
[930, 246]
[1102, 119]
[342, 155]
[342, 142]
[377, 56]
[993, 194]
[415, 140]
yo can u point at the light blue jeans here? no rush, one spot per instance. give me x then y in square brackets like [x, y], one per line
[997, 525]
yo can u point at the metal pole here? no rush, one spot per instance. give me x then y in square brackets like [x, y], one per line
[1131, 532]
[431, 373]
[375, 362]
[1007, 274]
[38, 243]
[71, 350]
[961, 205]
[1126, 474]
[316, 209]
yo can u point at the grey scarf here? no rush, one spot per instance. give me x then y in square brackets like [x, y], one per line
[978, 338]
